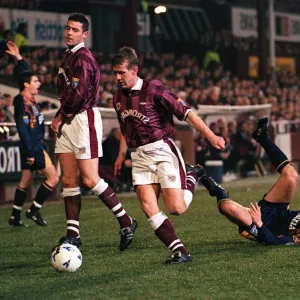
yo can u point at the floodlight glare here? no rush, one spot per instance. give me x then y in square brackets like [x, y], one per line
[160, 9]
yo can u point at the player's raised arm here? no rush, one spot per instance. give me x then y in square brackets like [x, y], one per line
[14, 51]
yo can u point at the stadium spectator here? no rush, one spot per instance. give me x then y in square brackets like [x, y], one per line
[211, 59]
[48, 82]
[183, 74]
[213, 96]
[79, 146]
[200, 148]
[2, 28]
[5, 38]
[269, 221]
[110, 148]
[109, 102]
[245, 148]
[20, 38]
[5, 103]
[232, 129]
[30, 126]
[126, 172]
[145, 111]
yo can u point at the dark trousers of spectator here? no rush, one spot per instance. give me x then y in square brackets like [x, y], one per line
[126, 178]
[248, 164]
[107, 173]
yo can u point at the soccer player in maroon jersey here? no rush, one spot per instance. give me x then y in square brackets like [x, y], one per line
[79, 133]
[145, 110]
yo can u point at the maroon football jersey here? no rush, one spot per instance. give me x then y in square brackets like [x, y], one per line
[146, 115]
[78, 82]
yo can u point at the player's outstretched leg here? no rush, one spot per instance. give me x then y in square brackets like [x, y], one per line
[128, 224]
[165, 231]
[214, 189]
[197, 169]
[261, 127]
[260, 134]
[193, 174]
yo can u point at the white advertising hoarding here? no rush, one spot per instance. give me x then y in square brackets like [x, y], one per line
[244, 24]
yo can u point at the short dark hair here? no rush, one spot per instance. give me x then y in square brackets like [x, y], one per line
[77, 17]
[25, 77]
[125, 54]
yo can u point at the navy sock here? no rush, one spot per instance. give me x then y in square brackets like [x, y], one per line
[41, 196]
[20, 196]
[221, 194]
[277, 157]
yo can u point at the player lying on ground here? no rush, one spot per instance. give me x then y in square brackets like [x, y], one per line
[270, 220]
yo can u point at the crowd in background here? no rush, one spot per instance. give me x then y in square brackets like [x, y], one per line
[225, 39]
[199, 82]
[184, 76]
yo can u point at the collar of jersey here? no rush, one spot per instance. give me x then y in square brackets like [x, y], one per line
[75, 48]
[138, 85]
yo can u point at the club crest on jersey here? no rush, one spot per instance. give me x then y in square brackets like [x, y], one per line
[118, 106]
[41, 119]
[75, 82]
[35, 110]
[26, 120]
[182, 102]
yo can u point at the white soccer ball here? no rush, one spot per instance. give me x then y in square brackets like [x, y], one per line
[66, 258]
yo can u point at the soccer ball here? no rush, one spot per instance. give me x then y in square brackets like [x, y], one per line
[66, 258]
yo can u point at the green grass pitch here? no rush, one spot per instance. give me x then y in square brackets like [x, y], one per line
[225, 266]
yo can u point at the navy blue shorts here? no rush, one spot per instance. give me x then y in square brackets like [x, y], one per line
[41, 161]
[278, 218]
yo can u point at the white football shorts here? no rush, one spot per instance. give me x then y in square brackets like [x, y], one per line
[83, 136]
[159, 162]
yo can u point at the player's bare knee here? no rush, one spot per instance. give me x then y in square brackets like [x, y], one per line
[227, 207]
[290, 175]
[177, 209]
[88, 182]
[69, 182]
[54, 179]
[25, 183]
